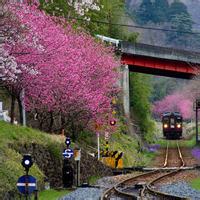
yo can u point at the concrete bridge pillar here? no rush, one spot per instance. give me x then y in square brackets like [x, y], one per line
[125, 87]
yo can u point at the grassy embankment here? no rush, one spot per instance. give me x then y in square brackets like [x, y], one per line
[10, 160]
[52, 194]
[129, 146]
[195, 183]
[183, 143]
[15, 136]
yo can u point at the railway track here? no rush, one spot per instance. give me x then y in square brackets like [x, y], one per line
[142, 186]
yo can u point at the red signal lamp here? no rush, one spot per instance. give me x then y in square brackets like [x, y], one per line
[112, 122]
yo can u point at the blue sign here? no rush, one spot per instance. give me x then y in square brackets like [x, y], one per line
[68, 153]
[26, 184]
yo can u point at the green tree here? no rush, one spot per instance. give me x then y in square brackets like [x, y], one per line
[177, 8]
[56, 7]
[181, 21]
[163, 86]
[160, 11]
[110, 13]
[140, 93]
[144, 14]
[101, 21]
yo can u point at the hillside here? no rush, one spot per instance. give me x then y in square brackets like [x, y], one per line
[46, 151]
[192, 5]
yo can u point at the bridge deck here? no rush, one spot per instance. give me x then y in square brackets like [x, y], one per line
[161, 61]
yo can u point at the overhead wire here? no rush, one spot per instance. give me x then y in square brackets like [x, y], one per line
[135, 26]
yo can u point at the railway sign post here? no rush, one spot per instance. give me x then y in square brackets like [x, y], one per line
[68, 153]
[77, 158]
[197, 107]
[26, 184]
[67, 170]
[98, 128]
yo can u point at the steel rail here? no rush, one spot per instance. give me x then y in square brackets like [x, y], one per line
[114, 189]
[142, 194]
[166, 155]
[108, 192]
[162, 194]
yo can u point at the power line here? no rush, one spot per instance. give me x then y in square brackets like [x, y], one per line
[128, 16]
[136, 26]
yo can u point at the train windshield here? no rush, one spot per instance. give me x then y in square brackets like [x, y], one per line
[172, 121]
[178, 120]
[166, 120]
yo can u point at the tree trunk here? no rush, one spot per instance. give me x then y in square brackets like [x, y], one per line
[12, 112]
[62, 122]
[51, 122]
[20, 110]
[40, 124]
[73, 132]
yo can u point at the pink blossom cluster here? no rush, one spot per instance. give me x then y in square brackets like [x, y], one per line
[174, 102]
[63, 70]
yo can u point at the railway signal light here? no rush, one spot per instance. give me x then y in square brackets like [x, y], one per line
[27, 161]
[67, 141]
[197, 103]
[112, 122]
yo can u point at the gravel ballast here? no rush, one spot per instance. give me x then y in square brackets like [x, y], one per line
[84, 194]
[181, 189]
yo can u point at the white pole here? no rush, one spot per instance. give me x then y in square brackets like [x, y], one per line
[98, 147]
[23, 107]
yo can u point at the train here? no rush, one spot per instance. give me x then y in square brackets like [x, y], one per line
[172, 123]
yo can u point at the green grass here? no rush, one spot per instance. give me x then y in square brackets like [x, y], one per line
[12, 137]
[188, 132]
[129, 146]
[195, 183]
[189, 143]
[93, 179]
[183, 143]
[52, 194]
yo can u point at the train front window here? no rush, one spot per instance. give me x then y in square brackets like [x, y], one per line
[172, 121]
[165, 120]
[179, 121]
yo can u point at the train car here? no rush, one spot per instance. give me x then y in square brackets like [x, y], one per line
[172, 125]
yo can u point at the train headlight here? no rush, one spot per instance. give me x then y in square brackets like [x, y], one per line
[165, 125]
[178, 125]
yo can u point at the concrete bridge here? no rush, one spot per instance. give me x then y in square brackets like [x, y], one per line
[161, 61]
[155, 60]
[144, 58]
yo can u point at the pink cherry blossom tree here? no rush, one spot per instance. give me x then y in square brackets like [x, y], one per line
[9, 71]
[174, 102]
[65, 73]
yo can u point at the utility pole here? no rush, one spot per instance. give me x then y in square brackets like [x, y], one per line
[196, 109]
[23, 107]
[98, 146]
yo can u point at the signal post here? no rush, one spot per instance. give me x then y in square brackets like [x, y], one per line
[197, 107]
[27, 184]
